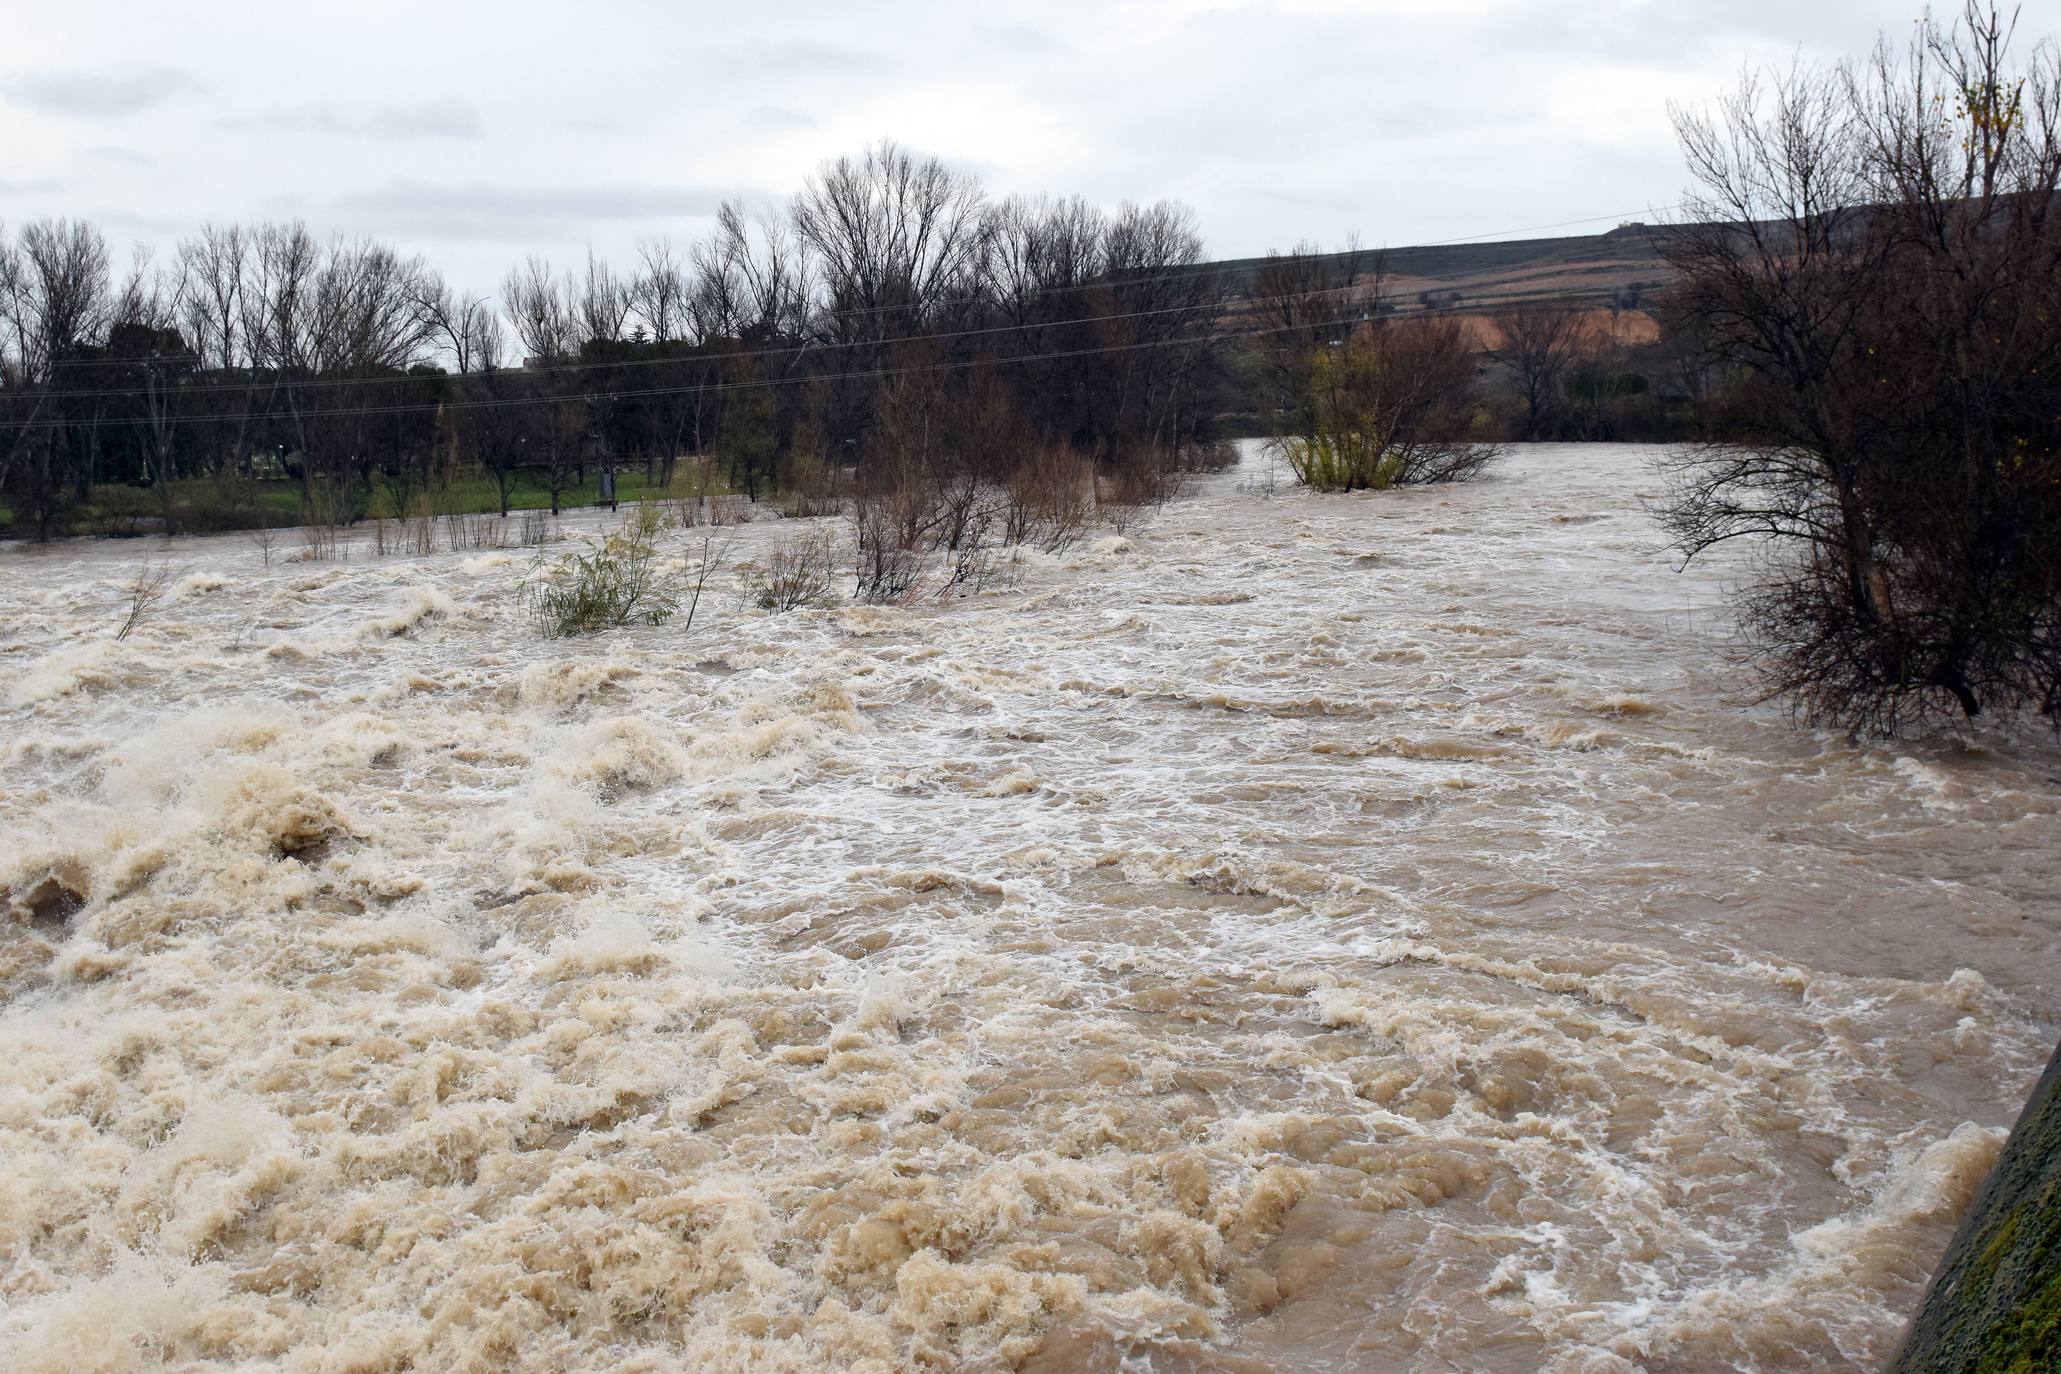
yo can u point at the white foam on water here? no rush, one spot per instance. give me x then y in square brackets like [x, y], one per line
[1297, 933]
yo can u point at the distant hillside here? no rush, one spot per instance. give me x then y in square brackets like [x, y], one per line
[1592, 269]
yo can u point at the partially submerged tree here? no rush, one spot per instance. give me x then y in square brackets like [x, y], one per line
[1389, 405]
[1876, 258]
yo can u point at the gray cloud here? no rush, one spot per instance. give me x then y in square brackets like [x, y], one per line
[793, 57]
[1326, 201]
[96, 95]
[114, 155]
[592, 125]
[1022, 39]
[140, 226]
[1639, 31]
[483, 210]
[1275, 121]
[777, 119]
[291, 119]
[428, 119]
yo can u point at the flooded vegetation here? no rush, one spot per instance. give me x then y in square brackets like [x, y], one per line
[1314, 932]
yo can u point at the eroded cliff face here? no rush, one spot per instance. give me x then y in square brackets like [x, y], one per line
[1308, 933]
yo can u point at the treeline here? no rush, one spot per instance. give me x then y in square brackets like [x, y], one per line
[891, 324]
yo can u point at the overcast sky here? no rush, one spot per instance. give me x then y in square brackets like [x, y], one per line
[476, 133]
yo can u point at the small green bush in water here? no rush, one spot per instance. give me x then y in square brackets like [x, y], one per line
[1345, 460]
[1391, 405]
[617, 583]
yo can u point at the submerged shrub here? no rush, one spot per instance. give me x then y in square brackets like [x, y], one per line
[1143, 479]
[1049, 500]
[798, 573]
[142, 594]
[1390, 407]
[895, 517]
[617, 583]
[537, 529]
[812, 489]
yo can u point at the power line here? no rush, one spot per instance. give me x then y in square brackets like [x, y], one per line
[1098, 283]
[1533, 229]
[866, 374]
[788, 350]
[403, 379]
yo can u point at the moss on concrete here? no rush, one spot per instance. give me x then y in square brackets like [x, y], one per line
[1994, 1306]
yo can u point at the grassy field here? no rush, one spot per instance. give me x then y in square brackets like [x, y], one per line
[204, 505]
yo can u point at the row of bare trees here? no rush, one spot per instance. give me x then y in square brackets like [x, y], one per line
[789, 344]
[236, 347]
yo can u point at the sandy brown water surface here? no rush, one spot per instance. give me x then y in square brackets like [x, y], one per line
[1306, 934]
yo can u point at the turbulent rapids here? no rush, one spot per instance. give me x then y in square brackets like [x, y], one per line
[1306, 934]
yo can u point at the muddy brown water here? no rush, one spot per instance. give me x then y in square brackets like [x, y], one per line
[1305, 934]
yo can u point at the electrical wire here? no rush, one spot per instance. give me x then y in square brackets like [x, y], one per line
[867, 374]
[1215, 269]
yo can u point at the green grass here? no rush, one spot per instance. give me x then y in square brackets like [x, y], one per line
[476, 493]
[278, 502]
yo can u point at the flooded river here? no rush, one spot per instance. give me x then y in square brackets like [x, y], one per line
[1302, 934]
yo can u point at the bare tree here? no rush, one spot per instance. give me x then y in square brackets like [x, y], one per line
[544, 312]
[335, 329]
[485, 424]
[1044, 261]
[1163, 362]
[895, 245]
[658, 293]
[466, 327]
[604, 303]
[1878, 261]
[56, 303]
[1303, 301]
[213, 269]
[751, 278]
[783, 340]
[1541, 340]
[144, 343]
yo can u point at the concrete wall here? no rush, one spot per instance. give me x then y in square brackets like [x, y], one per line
[1994, 1306]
